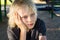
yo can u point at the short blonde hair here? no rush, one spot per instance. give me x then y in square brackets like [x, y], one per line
[17, 4]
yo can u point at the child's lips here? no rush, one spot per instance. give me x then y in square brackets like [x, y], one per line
[30, 24]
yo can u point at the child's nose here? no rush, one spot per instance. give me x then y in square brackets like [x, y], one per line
[29, 19]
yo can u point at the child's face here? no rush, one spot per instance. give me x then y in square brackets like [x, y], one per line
[28, 16]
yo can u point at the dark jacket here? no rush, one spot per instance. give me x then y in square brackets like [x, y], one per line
[39, 28]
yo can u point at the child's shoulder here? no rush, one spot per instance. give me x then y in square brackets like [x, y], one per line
[39, 21]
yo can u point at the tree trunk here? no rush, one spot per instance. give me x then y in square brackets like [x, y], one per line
[0, 12]
[5, 7]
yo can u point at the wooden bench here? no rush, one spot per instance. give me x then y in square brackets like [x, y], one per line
[50, 6]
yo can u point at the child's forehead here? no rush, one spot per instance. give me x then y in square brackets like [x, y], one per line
[25, 8]
[25, 11]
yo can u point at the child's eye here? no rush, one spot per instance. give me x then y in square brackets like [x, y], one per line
[25, 17]
[33, 14]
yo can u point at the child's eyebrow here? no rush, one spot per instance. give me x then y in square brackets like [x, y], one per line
[24, 16]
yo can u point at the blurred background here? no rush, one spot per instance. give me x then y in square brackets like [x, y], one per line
[47, 10]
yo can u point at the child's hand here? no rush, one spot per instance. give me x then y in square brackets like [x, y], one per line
[19, 22]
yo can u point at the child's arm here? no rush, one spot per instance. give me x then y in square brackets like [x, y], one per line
[42, 30]
[23, 35]
[42, 37]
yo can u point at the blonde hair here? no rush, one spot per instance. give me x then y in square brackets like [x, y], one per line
[17, 4]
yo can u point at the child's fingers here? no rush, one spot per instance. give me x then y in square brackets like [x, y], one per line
[14, 14]
[15, 18]
[19, 18]
[18, 21]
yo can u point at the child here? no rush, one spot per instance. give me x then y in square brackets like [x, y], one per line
[23, 23]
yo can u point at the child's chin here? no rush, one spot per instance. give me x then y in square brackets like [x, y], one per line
[31, 27]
